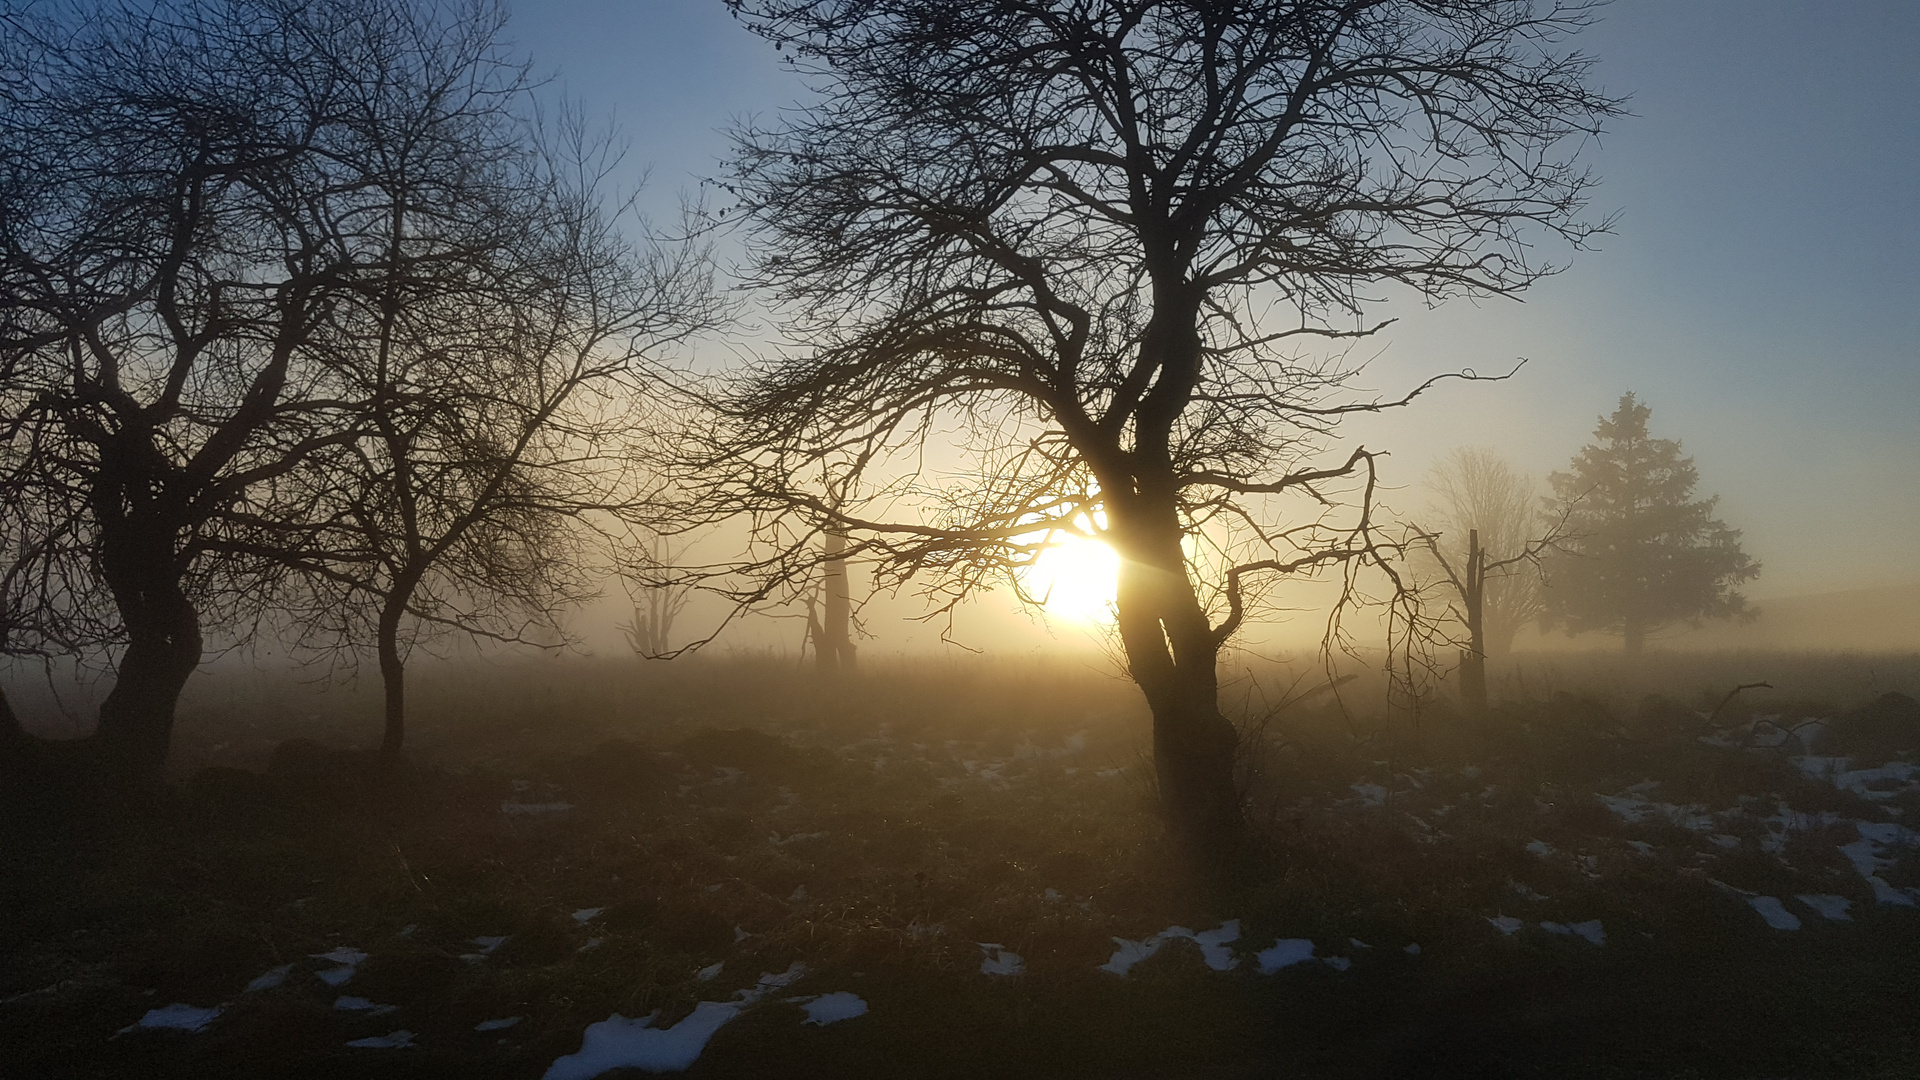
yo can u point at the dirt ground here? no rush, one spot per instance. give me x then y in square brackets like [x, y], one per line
[1592, 881]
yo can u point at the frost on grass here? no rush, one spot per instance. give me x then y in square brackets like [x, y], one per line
[1828, 906]
[1776, 915]
[176, 1017]
[393, 1040]
[833, 1008]
[996, 960]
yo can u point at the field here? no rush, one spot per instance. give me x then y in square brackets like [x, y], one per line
[1602, 878]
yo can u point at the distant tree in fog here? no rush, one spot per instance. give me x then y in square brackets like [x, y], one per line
[1088, 239]
[660, 599]
[1488, 537]
[1642, 553]
[1475, 490]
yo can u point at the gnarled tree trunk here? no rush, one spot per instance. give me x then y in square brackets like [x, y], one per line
[1172, 654]
[141, 568]
[833, 645]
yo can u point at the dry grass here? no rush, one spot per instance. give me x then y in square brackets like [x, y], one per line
[877, 828]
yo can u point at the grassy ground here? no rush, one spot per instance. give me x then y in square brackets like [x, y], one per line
[876, 829]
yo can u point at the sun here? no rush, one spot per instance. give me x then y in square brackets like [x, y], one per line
[1074, 578]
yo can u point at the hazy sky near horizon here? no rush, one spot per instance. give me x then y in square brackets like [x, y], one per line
[1761, 290]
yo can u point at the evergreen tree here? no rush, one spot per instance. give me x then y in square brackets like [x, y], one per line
[1643, 553]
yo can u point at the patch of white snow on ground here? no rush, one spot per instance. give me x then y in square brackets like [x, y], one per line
[1540, 848]
[1285, 952]
[1865, 855]
[360, 1004]
[711, 971]
[349, 960]
[1371, 794]
[1776, 915]
[833, 1008]
[269, 980]
[1506, 924]
[501, 1024]
[1215, 947]
[1413, 949]
[1130, 953]
[176, 1017]
[1337, 963]
[587, 914]
[1830, 907]
[1591, 930]
[621, 1043]
[396, 1040]
[998, 961]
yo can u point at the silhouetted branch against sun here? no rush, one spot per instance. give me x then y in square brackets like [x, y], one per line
[1109, 233]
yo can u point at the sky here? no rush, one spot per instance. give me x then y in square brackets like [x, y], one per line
[1760, 290]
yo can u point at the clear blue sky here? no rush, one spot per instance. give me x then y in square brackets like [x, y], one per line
[1762, 291]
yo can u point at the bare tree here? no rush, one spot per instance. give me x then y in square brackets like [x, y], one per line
[208, 196]
[1091, 239]
[661, 600]
[503, 367]
[1477, 491]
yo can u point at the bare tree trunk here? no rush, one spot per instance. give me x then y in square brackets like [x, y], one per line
[139, 564]
[393, 679]
[833, 648]
[1172, 654]
[11, 733]
[393, 667]
[1473, 662]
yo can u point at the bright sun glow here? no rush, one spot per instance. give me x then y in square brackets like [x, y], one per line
[1074, 579]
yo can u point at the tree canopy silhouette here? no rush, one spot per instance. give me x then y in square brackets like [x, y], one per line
[1641, 552]
[1091, 239]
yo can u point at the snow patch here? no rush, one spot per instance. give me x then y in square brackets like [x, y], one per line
[1506, 924]
[360, 1004]
[833, 1008]
[396, 1040]
[622, 1043]
[176, 1017]
[269, 980]
[1828, 906]
[1776, 915]
[501, 1024]
[1285, 952]
[1215, 947]
[998, 961]
[587, 914]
